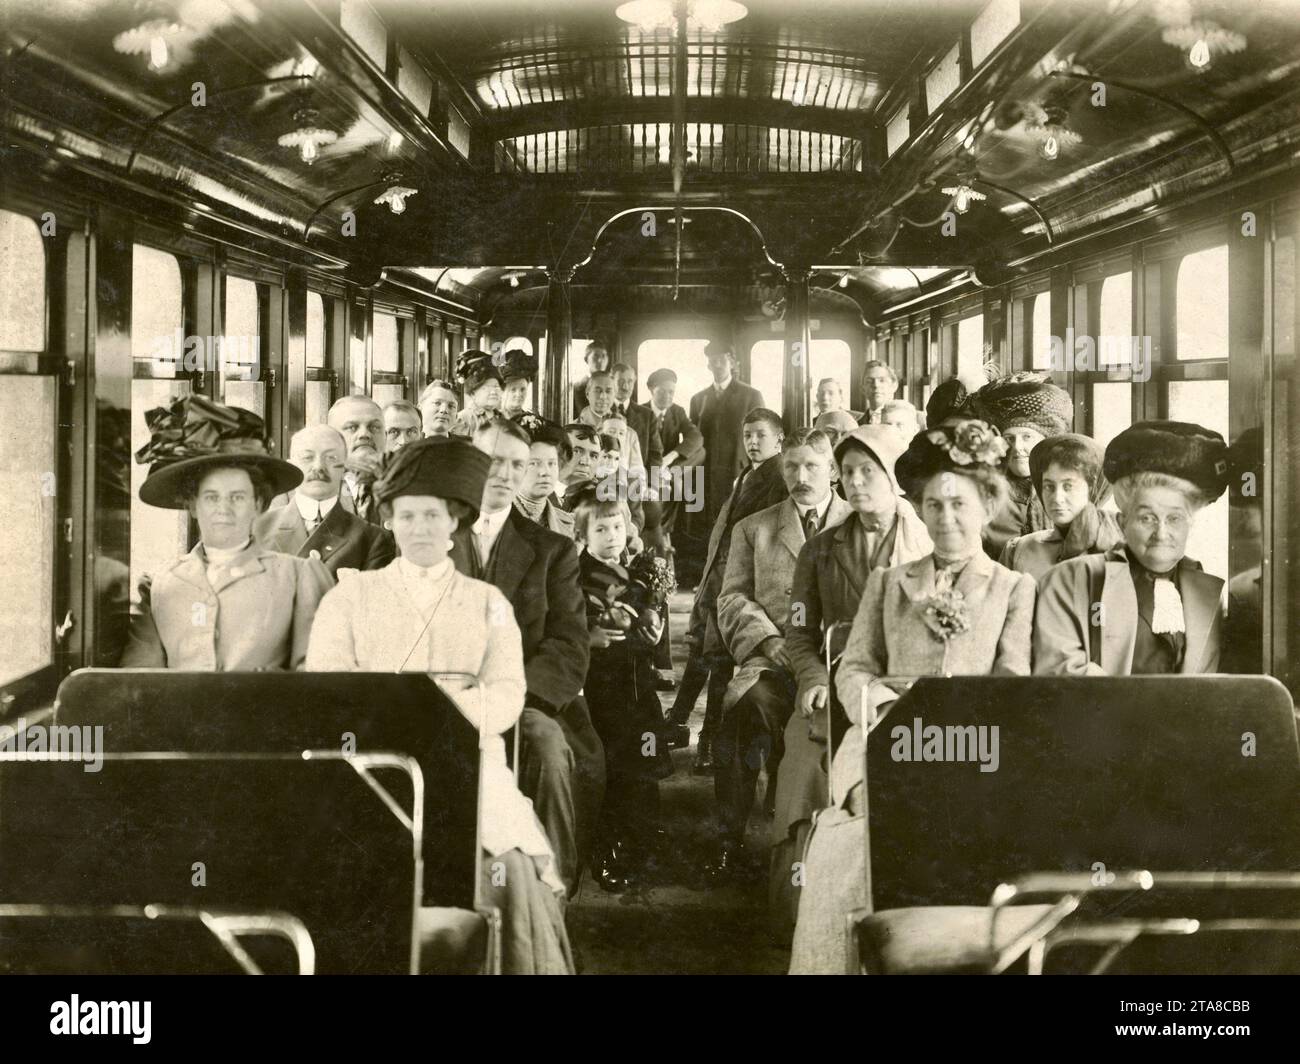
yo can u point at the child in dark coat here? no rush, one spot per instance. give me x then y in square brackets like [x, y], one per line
[625, 626]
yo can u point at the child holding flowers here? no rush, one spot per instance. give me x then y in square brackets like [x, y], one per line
[623, 615]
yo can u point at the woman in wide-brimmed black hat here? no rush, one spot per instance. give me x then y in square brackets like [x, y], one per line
[418, 614]
[229, 604]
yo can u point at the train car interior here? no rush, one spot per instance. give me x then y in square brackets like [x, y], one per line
[234, 217]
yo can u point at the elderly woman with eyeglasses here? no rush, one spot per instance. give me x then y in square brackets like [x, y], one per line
[1143, 607]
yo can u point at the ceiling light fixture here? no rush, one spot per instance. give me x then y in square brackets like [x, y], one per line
[155, 39]
[844, 280]
[395, 196]
[963, 196]
[308, 138]
[1203, 41]
[1048, 126]
[704, 16]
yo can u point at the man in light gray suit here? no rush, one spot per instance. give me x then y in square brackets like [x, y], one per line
[753, 610]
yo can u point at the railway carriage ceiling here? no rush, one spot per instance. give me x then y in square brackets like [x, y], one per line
[860, 135]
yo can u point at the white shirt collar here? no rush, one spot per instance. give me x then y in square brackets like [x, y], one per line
[223, 555]
[820, 507]
[491, 524]
[308, 507]
[412, 573]
[723, 387]
[660, 411]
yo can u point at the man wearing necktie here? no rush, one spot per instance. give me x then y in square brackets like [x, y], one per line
[312, 523]
[361, 423]
[879, 385]
[752, 613]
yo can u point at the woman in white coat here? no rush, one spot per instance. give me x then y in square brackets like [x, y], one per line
[419, 615]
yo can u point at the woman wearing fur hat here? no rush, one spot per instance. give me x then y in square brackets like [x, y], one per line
[419, 615]
[229, 604]
[1026, 408]
[1142, 608]
[478, 373]
[1067, 477]
[953, 612]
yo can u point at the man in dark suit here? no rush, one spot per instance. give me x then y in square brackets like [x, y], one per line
[719, 410]
[680, 440]
[312, 523]
[597, 358]
[562, 762]
[759, 486]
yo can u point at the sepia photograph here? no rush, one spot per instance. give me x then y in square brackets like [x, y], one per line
[665, 487]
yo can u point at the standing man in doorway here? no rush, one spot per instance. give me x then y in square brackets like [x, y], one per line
[719, 410]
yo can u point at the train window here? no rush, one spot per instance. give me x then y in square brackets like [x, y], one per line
[829, 358]
[241, 347]
[315, 330]
[1201, 304]
[384, 343]
[1205, 403]
[22, 279]
[1115, 320]
[767, 371]
[1112, 409]
[685, 357]
[28, 486]
[158, 315]
[1040, 331]
[970, 347]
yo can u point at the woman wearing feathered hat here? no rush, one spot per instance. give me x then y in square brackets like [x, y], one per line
[480, 375]
[954, 612]
[418, 614]
[1143, 607]
[518, 371]
[1026, 408]
[229, 604]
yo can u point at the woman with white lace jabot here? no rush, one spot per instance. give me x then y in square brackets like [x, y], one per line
[419, 615]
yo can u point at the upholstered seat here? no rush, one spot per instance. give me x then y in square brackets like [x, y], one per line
[934, 939]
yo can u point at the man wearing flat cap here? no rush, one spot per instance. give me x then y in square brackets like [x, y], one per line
[1026, 408]
[1143, 608]
[230, 604]
[312, 524]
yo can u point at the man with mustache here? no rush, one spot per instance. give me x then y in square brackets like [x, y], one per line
[562, 761]
[753, 610]
[312, 524]
[361, 423]
[439, 407]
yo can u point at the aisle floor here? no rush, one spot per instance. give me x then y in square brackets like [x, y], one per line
[678, 922]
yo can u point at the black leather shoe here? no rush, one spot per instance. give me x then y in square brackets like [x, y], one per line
[704, 765]
[676, 736]
[609, 870]
[665, 680]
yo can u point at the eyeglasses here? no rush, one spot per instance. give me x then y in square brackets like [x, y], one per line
[1149, 522]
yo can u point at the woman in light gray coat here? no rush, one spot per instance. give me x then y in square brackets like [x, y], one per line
[953, 612]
